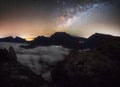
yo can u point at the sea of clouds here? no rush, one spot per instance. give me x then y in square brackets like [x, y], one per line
[40, 59]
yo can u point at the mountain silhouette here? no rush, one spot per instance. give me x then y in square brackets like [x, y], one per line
[58, 38]
[41, 40]
[65, 40]
[11, 39]
[99, 39]
[72, 42]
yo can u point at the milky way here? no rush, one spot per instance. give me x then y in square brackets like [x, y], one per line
[31, 18]
[95, 18]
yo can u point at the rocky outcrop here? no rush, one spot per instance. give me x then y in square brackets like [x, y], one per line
[13, 74]
[99, 67]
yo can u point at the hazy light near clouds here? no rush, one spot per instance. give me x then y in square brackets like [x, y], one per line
[29, 39]
[39, 59]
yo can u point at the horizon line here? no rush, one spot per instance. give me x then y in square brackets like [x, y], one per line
[32, 38]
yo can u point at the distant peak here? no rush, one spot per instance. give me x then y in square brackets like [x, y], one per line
[38, 37]
[60, 33]
[100, 34]
[18, 38]
[9, 37]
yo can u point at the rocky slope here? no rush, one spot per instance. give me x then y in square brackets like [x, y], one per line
[13, 74]
[98, 67]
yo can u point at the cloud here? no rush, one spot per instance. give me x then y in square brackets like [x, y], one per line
[40, 59]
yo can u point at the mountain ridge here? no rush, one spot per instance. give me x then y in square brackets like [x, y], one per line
[66, 40]
[11, 39]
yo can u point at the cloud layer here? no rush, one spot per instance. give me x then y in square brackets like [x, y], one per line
[41, 59]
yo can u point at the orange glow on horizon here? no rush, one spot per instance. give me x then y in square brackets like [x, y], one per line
[29, 39]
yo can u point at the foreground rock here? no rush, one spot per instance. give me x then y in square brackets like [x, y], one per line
[99, 67]
[13, 74]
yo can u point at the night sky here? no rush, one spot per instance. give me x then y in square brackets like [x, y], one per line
[32, 18]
